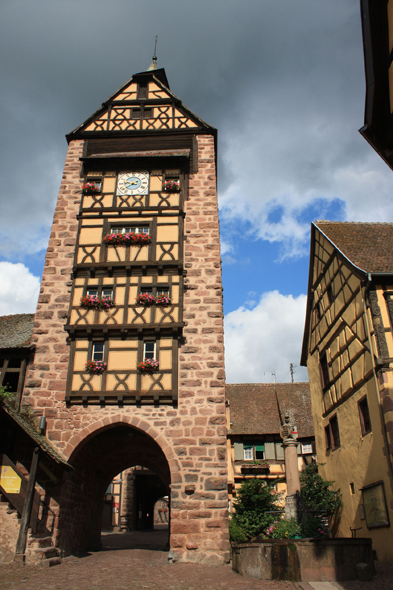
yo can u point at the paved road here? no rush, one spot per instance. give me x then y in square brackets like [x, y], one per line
[119, 568]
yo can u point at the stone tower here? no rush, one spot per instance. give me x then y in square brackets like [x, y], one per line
[129, 359]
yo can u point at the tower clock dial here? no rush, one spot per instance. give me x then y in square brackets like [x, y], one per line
[133, 183]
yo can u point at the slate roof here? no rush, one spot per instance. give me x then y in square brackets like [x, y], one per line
[369, 246]
[254, 409]
[39, 440]
[16, 330]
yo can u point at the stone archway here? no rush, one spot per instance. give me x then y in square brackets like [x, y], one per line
[97, 459]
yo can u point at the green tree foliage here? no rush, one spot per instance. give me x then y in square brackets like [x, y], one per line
[319, 497]
[250, 519]
[316, 491]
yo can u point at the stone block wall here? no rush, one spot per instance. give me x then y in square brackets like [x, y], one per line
[192, 435]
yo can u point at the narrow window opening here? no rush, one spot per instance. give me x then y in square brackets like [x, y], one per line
[324, 368]
[352, 488]
[364, 415]
[330, 295]
[334, 432]
[98, 352]
[149, 350]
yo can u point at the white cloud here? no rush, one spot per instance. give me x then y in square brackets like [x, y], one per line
[19, 289]
[264, 339]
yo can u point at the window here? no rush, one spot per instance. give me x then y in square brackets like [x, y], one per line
[329, 292]
[306, 449]
[364, 415]
[253, 451]
[148, 290]
[332, 434]
[162, 291]
[328, 437]
[142, 90]
[324, 369]
[156, 291]
[149, 350]
[141, 113]
[99, 291]
[98, 352]
[131, 229]
[335, 432]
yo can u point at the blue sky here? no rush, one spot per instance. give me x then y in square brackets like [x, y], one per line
[283, 82]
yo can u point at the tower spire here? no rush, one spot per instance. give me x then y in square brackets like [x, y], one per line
[153, 65]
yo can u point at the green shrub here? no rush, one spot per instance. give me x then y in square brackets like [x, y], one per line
[254, 499]
[283, 529]
[235, 532]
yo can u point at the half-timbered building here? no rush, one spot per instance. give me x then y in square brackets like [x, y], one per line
[128, 366]
[348, 349]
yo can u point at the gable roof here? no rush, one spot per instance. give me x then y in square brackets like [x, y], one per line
[254, 409]
[369, 246]
[16, 330]
[116, 117]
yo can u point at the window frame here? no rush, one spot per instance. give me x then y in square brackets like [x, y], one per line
[121, 229]
[330, 438]
[94, 351]
[363, 402]
[146, 342]
[324, 369]
[100, 290]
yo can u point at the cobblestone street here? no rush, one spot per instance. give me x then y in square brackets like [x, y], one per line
[118, 568]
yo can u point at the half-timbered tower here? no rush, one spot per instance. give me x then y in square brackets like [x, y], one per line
[348, 348]
[129, 366]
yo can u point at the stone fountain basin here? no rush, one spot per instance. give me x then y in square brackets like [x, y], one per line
[302, 560]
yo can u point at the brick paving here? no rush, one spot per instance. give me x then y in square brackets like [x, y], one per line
[120, 568]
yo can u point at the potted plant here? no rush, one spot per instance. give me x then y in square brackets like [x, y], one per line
[145, 299]
[163, 300]
[148, 366]
[172, 186]
[91, 188]
[258, 466]
[95, 367]
[132, 239]
[95, 302]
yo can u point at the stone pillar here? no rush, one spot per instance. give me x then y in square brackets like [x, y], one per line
[289, 435]
[292, 477]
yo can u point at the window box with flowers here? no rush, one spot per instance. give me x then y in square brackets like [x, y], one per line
[95, 367]
[148, 299]
[148, 366]
[172, 186]
[163, 300]
[145, 299]
[97, 302]
[91, 188]
[127, 239]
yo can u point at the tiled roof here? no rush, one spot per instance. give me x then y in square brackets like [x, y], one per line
[16, 330]
[39, 440]
[254, 409]
[368, 246]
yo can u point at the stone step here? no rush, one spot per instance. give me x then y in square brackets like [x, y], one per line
[51, 562]
[44, 553]
[37, 542]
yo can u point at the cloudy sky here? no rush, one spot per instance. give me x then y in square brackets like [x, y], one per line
[282, 81]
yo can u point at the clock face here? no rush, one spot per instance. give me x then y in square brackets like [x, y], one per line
[133, 183]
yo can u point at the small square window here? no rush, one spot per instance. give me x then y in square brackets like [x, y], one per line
[92, 291]
[364, 415]
[307, 449]
[149, 350]
[248, 455]
[98, 351]
[162, 291]
[148, 290]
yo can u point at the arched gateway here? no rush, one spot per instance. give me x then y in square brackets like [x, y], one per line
[128, 332]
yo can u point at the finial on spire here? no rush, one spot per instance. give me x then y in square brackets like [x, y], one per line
[153, 65]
